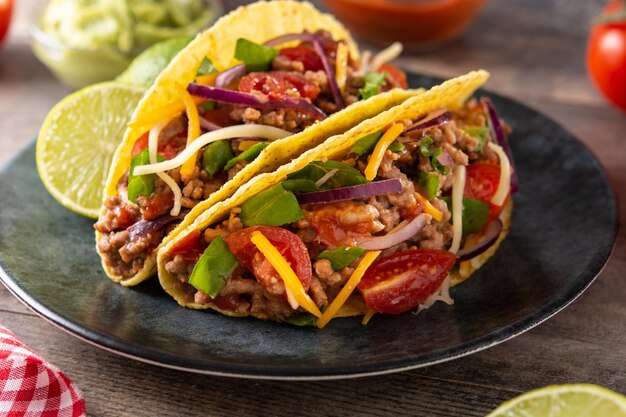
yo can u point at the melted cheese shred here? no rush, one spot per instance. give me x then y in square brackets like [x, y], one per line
[388, 54]
[251, 130]
[341, 66]
[169, 111]
[381, 147]
[292, 283]
[368, 316]
[457, 207]
[193, 131]
[153, 144]
[429, 208]
[505, 175]
[347, 289]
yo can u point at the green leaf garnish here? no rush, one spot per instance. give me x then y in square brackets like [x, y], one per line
[248, 155]
[475, 213]
[480, 134]
[256, 57]
[141, 184]
[216, 155]
[373, 81]
[341, 256]
[432, 154]
[344, 177]
[272, 207]
[206, 67]
[213, 268]
[366, 144]
[429, 183]
[302, 320]
[300, 186]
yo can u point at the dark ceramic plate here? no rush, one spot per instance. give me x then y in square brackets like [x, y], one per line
[564, 225]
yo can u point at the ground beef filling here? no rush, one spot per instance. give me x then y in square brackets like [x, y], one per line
[348, 223]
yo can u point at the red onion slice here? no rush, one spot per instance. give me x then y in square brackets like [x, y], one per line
[490, 236]
[497, 133]
[445, 159]
[435, 118]
[143, 227]
[230, 75]
[254, 100]
[319, 49]
[397, 237]
[389, 186]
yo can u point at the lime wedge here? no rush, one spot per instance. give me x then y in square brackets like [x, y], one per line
[148, 65]
[577, 400]
[77, 141]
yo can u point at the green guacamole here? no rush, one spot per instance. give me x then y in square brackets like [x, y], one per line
[127, 26]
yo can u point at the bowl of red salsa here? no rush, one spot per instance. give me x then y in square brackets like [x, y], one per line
[415, 23]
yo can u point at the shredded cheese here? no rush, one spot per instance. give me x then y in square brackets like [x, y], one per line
[193, 131]
[347, 289]
[365, 63]
[326, 177]
[442, 294]
[457, 207]
[153, 143]
[368, 316]
[388, 54]
[379, 151]
[251, 130]
[208, 79]
[244, 145]
[505, 175]
[429, 208]
[341, 66]
[169, 111]
[292, 283]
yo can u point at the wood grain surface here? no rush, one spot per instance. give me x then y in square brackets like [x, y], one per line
[535, 52]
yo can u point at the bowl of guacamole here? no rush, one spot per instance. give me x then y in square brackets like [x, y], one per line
[86, 41]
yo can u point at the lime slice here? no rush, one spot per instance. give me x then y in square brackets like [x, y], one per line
[148, 65]
[78, 139]
[578, 400]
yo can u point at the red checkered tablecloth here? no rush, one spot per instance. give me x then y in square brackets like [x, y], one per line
[32, 387]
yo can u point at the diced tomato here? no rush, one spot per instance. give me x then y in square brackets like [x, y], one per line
[158, 205]
[190, 247]
[481, 183]
[124, 217]
[220, 117]
[288, 244]
[332, 231]
[309, 58]
[277, 84]
[395, 76]
[140, 145]
[400, 282]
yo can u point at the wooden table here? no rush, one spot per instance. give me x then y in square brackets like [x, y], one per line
[535, 52]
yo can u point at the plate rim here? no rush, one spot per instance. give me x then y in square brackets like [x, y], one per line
[502, 334]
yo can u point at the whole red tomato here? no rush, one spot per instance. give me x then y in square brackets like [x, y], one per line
[6, 9]
[606, 53]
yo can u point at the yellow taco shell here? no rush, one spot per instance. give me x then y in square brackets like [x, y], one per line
[450, 94]
[257, 22]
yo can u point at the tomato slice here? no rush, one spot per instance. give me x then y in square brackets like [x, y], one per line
[395, 76]
[190, 247]
[481, 183]
[304, 54]
[288, 244]
[277, 84]
[400, 282]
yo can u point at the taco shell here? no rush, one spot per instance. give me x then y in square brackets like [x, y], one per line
[451, 94]
[257, 22]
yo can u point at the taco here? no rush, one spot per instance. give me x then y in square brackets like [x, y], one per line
[401, 206]
[264, 84]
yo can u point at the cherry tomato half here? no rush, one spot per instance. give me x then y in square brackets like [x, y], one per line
[288, 244]
[606, 55]
[481, 183]
[309, 58]
[395, 76]
[276, 84]
[400, 282]
[6, 9]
